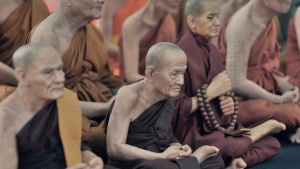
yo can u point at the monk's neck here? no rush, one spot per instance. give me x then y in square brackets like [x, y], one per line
[152, 15]
[259, 13]
[151, 94]
[66, 23]
[29, 103]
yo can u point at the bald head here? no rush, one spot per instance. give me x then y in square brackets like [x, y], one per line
[197, 7]
[157, 53]
[24, 56]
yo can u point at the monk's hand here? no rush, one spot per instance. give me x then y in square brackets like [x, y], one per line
[96, 163]
[171, 153]
[186, 151]
[219, 86]
[227, 105]
[291, 95]
[79, 166]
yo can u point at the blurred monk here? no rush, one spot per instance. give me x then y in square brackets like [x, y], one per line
[88, 71]
[205, 113]
[249, 43]
[148, 26]
[17, 18]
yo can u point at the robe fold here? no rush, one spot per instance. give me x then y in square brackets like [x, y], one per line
[151, 131]
[14, 30]
[52, 138]
[164, 32]
[204, 62]
[293, 55]
[263, 69]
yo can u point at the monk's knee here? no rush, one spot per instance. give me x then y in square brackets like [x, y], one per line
[215, 162]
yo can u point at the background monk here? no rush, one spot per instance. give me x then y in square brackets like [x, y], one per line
[249, 42]
[35, 119]
[208, 116]
[293, 50]
[148, 26]
[139, 127]
[17, 17]
[88, 72]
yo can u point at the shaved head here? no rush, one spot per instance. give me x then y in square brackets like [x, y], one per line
[197, 7]
[157, 53]
[23, 57]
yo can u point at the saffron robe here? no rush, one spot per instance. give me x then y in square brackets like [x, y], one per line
[151, 131]
[52, 138]
[164, 32]
[293, 55]
[204, 62]
[14, 30]
[263, 69]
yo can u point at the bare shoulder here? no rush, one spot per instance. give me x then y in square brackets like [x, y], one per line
[237, 27]
[44, 34]
[131, 25]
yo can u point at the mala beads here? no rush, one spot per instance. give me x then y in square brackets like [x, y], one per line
[207, 113]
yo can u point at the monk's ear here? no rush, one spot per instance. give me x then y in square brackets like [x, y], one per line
[149, 73]
[20, 75]
[191, 21]
[68, 2]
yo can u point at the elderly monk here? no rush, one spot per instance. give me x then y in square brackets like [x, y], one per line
[138, 131]
[17, 17]
[204, 113]
[40, 121]
[88, 72]
[249, 43]
[148, 26]
[293, 50]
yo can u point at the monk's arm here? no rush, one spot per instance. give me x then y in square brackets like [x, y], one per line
[94, 109]
[238, 50]
[106, 25]
[8, 145]
[297, 26]
[118, 126]
[7, 75]
[131, 52]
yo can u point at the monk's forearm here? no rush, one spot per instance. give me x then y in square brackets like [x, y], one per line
[93, 109]
[7, 75]
[251, 90]
[195, 104]
[285, 85]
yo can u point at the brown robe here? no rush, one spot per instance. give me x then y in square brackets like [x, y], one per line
[293, 55]
[164, 32]
[204, 63]
[180, 20]
[14, 30]
[151, 131]
[52, 139]
[263, 69]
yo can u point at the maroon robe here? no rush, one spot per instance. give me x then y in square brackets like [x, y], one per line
[151, 131]
[263, 69]
[204, 63]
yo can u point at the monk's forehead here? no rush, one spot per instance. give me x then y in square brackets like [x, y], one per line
[211, 6]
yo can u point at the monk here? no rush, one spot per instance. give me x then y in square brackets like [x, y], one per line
[148, 26]
[35, 119]
[205, 114]
[88, 71]
[138, 130]
[17, 17]
[293, 50]
[249, 43]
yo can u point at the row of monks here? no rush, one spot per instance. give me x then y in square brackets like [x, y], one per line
[149, 88]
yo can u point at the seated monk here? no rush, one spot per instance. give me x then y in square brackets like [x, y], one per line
[88, 71]
[35, 119]
[205, 114]
[293, 50]
[138, 127]
[17, 18]
[148, 26]
[249, 43]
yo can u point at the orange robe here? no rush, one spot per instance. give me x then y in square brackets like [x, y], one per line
[14, 30]
[293, 55]
[263, 69]
[164, 32]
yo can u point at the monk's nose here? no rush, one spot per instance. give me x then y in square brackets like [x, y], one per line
[59, 77]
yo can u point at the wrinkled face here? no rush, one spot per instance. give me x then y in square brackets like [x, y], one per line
[169, 6]
[278, 6]
[44, 76]
[170, 78]
[207, 24]
[90, 8]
